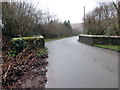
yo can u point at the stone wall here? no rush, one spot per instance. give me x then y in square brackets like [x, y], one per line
[31, 41]
[99, 39]
[19, 44]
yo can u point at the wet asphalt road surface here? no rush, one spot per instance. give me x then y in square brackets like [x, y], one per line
[77, 65]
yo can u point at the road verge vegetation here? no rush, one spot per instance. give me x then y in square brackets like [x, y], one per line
[24, 64]
[102, 41]
[111, 47]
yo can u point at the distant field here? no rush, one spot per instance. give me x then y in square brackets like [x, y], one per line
[112, 47]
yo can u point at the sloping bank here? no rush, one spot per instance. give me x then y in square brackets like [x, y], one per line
[103, 41]
[25, 63]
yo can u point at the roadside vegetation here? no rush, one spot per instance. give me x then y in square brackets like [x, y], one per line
[112, 47]
[23, 52]
[104, 19]
[25, 63]
[22, 19]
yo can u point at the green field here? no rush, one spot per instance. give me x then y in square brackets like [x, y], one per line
[112, 47]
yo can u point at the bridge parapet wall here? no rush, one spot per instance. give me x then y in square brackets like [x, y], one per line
[99, 39]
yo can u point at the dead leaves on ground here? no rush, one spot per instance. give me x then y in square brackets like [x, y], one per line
[26, 70]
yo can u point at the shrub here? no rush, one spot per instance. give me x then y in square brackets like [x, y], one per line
[32, 42]
[17, 45]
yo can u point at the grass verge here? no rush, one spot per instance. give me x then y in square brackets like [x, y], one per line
[112, 47]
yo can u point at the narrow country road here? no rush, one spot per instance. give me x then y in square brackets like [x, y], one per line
[77, 65]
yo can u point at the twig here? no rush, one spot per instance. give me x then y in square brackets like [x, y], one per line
[7, 71]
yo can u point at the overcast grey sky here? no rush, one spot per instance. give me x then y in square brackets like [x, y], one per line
[72, 10]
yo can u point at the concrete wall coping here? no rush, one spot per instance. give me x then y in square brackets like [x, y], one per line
[99, 36]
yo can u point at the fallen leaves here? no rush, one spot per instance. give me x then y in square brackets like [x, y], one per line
[26, 70]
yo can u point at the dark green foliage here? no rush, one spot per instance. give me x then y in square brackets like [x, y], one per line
[39, 43]
[68, 28]
[18, 46]
[34, 42]
[12, 53]
[42, 51]
[49, 35]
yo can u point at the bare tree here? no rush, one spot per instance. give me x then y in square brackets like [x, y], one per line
[117, 6]
[23, 19]
[100, 20]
